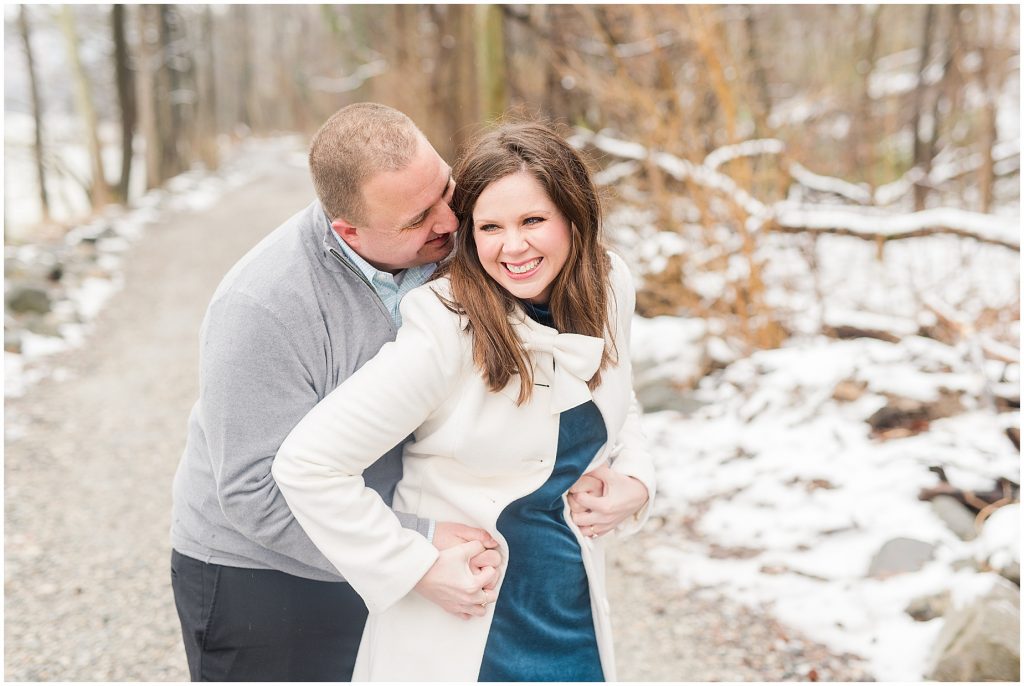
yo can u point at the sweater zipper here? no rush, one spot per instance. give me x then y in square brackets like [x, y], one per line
[362, 277]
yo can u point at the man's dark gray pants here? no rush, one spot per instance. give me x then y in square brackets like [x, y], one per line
[264, 625]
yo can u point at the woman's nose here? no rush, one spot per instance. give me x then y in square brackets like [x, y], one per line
[515, 242]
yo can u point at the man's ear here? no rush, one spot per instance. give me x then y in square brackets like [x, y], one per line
[347, 233]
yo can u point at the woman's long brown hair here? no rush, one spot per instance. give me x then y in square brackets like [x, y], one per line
[580, 292]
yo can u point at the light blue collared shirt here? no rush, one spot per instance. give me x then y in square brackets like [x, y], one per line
[391, 288]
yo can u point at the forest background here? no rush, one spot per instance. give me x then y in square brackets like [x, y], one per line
[774, 175]
[897, 108]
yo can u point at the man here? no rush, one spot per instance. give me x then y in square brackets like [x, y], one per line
[296, 316]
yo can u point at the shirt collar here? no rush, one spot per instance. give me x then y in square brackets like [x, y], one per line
[375, 276]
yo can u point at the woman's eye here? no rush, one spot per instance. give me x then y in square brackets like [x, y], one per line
[487, 228]
[533, 220]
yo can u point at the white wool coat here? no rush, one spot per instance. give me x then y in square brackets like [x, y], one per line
[472, 453]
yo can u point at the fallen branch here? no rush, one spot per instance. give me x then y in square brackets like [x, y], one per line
[677, 168]
[787, 217]
[855, 222]
[1005, 155]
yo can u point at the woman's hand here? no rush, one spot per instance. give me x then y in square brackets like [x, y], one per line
[598, 510]
[450, 534]
[454, 586]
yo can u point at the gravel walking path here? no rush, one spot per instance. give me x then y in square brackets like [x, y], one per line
[88, 487]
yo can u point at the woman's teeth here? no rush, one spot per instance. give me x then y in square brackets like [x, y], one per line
[523, 268]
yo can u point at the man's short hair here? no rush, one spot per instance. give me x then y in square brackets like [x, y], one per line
[356, 143]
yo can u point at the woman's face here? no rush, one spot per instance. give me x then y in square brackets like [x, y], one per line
[521, 236]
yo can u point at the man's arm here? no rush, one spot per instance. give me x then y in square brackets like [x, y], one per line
[255, 387]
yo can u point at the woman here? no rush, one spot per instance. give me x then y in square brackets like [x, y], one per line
[512, 373]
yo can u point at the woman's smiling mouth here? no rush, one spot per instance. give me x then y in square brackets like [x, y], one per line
[522, 270]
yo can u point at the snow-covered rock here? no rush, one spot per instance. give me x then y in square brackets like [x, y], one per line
[981, 641]
[670, 355]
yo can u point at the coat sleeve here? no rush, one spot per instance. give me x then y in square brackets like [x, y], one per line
[629, 454]
[319, 466]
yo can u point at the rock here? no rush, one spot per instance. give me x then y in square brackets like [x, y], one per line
[670, 356]
[980, 642]
[43, 325]
[925, 608]
[956, 516]
[906, 416]
[898, 556]
[847, 391]
[26, 298]
[12, 341]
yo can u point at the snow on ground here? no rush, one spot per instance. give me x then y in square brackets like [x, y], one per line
[778, 491]
[800, 493]
[791, 494]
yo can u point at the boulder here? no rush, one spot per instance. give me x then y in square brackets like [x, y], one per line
[12, 341]
[23, 298]
[43, 325]
[907, 416]
[670, 355]
[957, 516]
[928, 607]
[981, 641]
[899, 556]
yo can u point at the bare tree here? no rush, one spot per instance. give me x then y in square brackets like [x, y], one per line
[125, 97]
[37, 107]
[490, 61]
[99, 191]
[149, 65]
[206, 105]
[922, 154]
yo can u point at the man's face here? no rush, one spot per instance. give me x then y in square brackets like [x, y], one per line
[408, 219]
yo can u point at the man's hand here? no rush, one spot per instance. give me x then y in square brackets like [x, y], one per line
[598, 510]
[450, 534]
[454, 586]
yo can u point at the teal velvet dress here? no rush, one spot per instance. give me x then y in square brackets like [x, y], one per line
[543, 629]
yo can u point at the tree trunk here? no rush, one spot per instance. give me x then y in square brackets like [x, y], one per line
[169, 116]
[490, 61]
[37, 112]
[149, 63]
[125, 98]
[991, 75]
[457, 76]
[921, 159]
[100, 194]
[861, 148]
[555, 98]
[206, 107]
[245, 80]
[761, 102]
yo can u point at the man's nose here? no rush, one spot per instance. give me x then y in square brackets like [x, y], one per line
[447, 221]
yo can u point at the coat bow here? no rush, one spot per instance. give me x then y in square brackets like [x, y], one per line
[576, 358]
